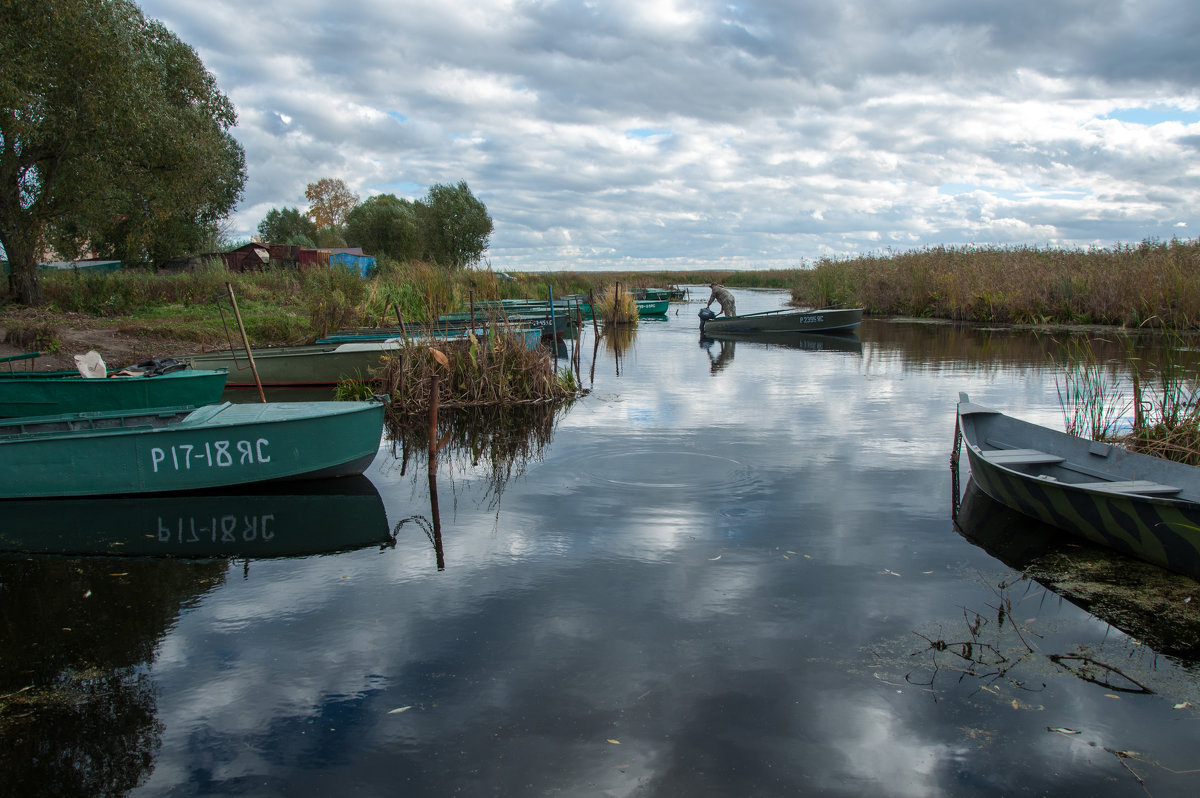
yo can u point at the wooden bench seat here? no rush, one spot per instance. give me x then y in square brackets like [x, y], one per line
[1132, 486]
[1020, 457]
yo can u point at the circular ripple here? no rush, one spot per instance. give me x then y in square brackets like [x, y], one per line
[668, 470]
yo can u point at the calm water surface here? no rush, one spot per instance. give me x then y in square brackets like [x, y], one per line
[731, 570]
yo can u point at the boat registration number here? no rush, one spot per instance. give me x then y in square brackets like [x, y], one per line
[214, 454]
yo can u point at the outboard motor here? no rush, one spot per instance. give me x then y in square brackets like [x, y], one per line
[705, 315]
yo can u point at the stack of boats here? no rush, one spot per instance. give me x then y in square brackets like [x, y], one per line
[64, 434]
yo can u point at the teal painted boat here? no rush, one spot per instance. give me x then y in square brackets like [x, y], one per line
[297, 366]
[284, 519]
[1140, 505]
[185, 448]
[46, 393]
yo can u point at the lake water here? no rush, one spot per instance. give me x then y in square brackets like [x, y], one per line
[730, 569]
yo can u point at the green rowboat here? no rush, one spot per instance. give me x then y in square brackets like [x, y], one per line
[47, 393]
[185, 448]
[297, 366]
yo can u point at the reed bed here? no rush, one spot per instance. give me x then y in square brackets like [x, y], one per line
[475, 372]
[1153, 283]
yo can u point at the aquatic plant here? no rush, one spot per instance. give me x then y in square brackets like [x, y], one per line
[1089, 392]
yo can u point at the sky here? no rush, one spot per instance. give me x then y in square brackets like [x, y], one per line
[690, 134]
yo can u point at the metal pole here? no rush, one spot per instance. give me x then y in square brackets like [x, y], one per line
[246, 342]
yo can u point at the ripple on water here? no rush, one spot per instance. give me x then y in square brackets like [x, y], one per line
[669, 470]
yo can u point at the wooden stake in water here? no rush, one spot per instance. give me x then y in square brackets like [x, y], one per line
[246, 342]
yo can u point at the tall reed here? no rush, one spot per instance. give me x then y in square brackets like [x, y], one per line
[1152, 283]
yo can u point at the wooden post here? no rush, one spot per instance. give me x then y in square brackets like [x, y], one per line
[246, 341]
[592, 299]
[433, 432]
[400, 321]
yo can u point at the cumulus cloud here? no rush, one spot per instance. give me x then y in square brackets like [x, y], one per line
[689, 133]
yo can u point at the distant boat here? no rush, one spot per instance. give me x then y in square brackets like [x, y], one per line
[1141, 505]
[781, 321]
[280, 519]
[297, 366]
[185, 448]
[45, 393]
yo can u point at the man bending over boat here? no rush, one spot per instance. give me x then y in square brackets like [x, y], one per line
[722, 296]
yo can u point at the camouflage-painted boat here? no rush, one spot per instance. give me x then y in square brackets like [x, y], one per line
[168, 449]
[1137, 504]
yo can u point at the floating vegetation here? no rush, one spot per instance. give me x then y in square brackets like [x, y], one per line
[495, 370]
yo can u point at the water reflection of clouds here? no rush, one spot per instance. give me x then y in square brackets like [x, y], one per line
[725, 624]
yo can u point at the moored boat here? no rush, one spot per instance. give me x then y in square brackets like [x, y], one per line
[784, 320]
[530, 337]
[297, 366]
[185, 448]
[44, 393]
[1141, 505]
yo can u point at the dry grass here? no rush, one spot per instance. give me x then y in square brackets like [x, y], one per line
[615, 305]
[473, 372]
[1152, 283]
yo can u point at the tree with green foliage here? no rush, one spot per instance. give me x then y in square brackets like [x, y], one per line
[386, 225]
[456, 226]
[288, 226]
[112, 134]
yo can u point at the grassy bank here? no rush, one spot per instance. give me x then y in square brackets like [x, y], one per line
[1152, 283]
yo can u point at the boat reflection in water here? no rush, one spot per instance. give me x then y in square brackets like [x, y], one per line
[847, 342]
[278, 520]
[1146, 602]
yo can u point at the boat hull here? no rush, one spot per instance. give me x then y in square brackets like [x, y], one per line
[1086, 491]
[297, 366]
[183, 449]
[786, 321]
[51, 393]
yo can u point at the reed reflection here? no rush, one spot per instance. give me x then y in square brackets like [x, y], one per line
[500, 440]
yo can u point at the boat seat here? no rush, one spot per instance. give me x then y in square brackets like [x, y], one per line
[1020, 457]
[1132, 486]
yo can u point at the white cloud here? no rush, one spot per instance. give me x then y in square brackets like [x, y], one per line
[684, 132]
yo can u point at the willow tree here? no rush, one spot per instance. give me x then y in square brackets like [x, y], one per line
[112, 133]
